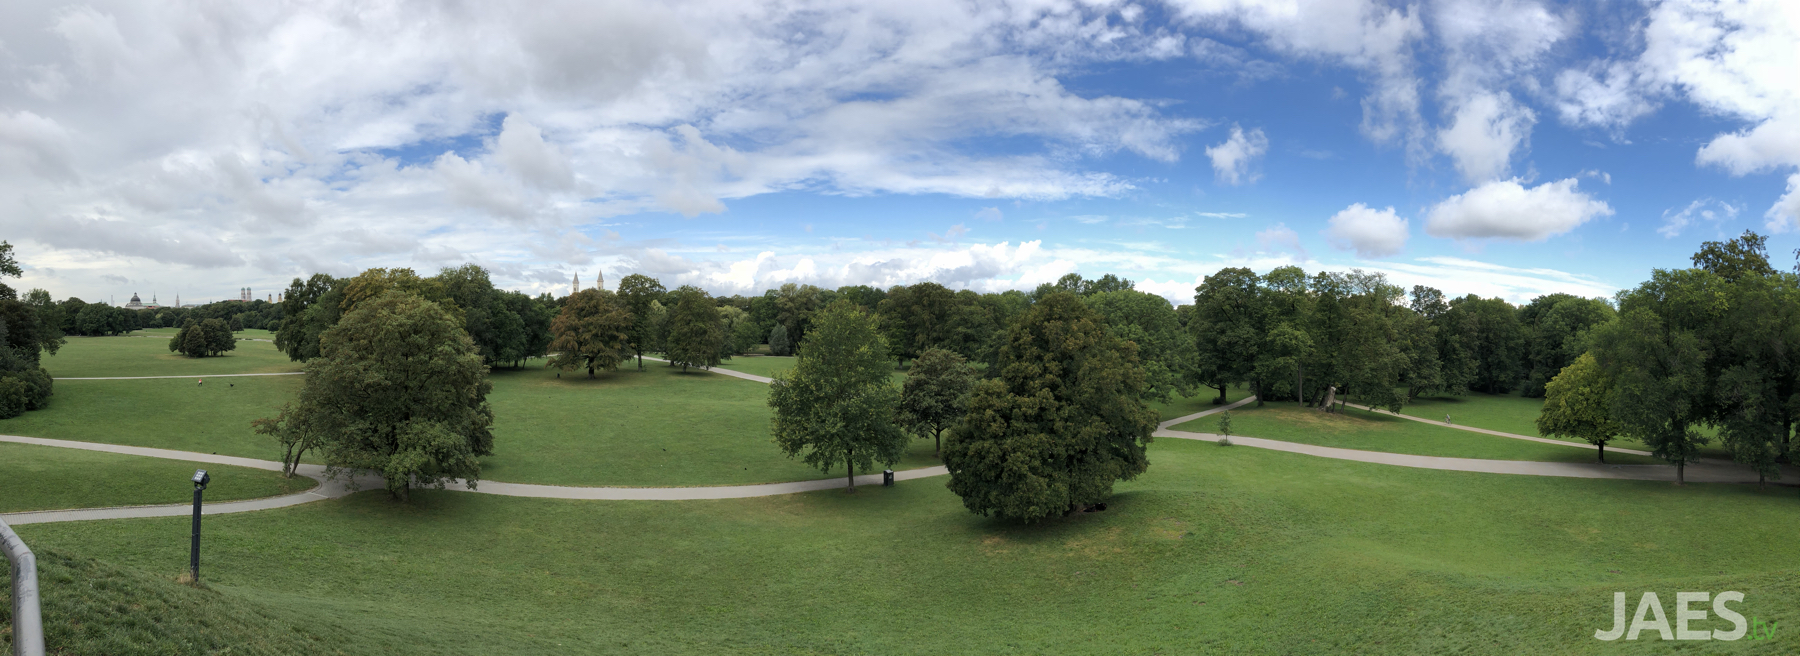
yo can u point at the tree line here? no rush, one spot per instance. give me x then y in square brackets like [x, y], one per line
[1695, 356]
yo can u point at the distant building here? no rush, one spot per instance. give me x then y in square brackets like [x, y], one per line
[137, 304]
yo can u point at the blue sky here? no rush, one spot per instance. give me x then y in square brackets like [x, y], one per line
[1499, 147]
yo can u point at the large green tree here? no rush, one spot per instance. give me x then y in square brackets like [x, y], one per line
[1659, 357]
[1227, 328]
[308, 309]
[398, 388]
[1577, 404]
[1061, 423]
[592, 332]
[1166, 351]
[695, 335]
[638, 292]
[917, 318]
[836, 405]
[936, 395]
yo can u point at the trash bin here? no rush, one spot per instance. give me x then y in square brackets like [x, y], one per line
[887, 478]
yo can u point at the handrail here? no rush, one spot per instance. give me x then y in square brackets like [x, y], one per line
[27, 616]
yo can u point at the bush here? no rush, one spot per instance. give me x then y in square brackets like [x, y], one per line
[15, 397]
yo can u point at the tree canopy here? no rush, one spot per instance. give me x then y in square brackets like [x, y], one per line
[1061, 423]
[592, 332]
[398, 388]
[836, 405]
[935, 395]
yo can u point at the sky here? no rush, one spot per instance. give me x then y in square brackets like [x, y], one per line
[1504, 148]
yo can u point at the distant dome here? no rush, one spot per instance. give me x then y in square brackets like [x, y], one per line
[134, 299]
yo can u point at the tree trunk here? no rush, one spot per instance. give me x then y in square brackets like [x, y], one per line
[1259, 392]
[1221, 399]
[1300, 385]
[1681, 473]
[850, 468]
[937, 450]
[1602, 446]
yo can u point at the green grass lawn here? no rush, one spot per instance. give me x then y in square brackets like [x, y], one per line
[1201, 401]
[1214, 550]
[1379, 431]
[149, 355]
[766, 365]
[1512, 413]
[49, 478]
[164, 413]
[658, 427]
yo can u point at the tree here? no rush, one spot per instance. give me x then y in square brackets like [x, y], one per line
[9, 268]
[1061, 423]
[218, 337]
[731, 328]
[398, 388]
[1658, 359]
[375, 282]
[1576, 405]
[916, 318]
[24, 385]
[1147, 320]
[592, 332]
[1556, 327]
[1227, 328]
[237, 323]
[794, 306]
[695, 336]
[935, 395]
[778, 341]
[308, 309]
[1745, 256]
[836, 405]
[639, 291]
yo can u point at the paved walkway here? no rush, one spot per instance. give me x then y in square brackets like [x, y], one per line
[734, 374]
[332, 489]
[1708, 472]
[285, 373]
[1516, 436]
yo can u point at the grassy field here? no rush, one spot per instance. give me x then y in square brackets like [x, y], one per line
[49, 478]
[657, 427]
[1379, 431]
[149, 355]
[1511, 413]
[163, 413]
[1215, 550]
[767, 365]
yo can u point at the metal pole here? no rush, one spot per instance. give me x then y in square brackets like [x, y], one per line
[28, 617]
[194, 554]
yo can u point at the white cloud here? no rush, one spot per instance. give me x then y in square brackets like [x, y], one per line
[1459, 277]
[1366, 36]
[1233, 159]
[1705, 209]
[1606, 95]
[990, 214]
[1505, 209]
[1370, 232]
[1784, 215]
[1483, 134]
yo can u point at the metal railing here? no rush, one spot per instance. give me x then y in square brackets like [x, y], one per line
[27, 616]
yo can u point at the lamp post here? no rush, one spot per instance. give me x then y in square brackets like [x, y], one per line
[200, 481]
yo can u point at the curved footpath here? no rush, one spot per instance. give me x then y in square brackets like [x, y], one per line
[1709, 472]
[1705, 471]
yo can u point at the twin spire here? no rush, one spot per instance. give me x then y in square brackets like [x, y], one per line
[599, 282]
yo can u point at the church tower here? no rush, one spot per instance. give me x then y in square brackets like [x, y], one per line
[599, 280]
[575, 285]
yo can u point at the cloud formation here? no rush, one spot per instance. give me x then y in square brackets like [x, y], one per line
[1371, 233]
[1506, 209]
[1232, 161]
